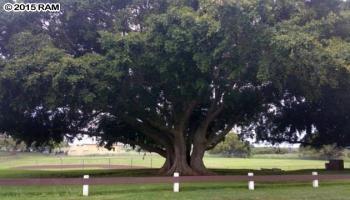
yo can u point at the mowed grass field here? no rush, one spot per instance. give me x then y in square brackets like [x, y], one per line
[11, 166]
[218, 191]
[137, 160]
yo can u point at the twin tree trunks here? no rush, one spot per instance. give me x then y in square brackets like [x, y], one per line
[183, 151]
[187, 159]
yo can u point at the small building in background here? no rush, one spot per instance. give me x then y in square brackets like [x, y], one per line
[89, 146]
[93, 149]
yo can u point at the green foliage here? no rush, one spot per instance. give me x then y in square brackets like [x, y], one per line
[308, 62]
[232, 146]
[271, 150]
[25, 43]
[8, 144]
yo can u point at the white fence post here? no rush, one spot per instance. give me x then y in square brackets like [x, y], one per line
[86, 187]
[176, 182]
[315, 181]
[250, 181]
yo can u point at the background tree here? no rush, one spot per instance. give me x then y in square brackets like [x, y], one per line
[232, 146]
[10, 145]
[326, 152]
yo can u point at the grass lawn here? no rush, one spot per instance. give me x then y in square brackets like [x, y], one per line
[155, 161]
[220, 165]
[215, 191]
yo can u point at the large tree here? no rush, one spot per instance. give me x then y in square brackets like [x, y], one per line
[172, 77]
[181, 84]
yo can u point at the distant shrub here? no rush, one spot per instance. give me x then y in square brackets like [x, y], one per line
[7, 143]
[271, 150]
[326, 152]
[232, 146]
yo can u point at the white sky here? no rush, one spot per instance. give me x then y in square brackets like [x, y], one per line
[92, 140]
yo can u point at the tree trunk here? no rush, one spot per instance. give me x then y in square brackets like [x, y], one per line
[180, 161]
[169, 160]
[197, 155]
[188, 151]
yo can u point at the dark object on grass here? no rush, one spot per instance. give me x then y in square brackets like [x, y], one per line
[335, 165]
[271, 169]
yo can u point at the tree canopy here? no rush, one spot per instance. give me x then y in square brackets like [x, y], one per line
[174, 77]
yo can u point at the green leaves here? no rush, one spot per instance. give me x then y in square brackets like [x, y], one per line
[308, 60]
[25, 43]
[306, 57]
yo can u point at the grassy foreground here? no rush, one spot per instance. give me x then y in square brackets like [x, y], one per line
[217, 191]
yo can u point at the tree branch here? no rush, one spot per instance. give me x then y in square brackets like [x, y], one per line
[159, 126]
[147, 147]
[186, 115]
[150, 132]
[214, 140]
[213, 112]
